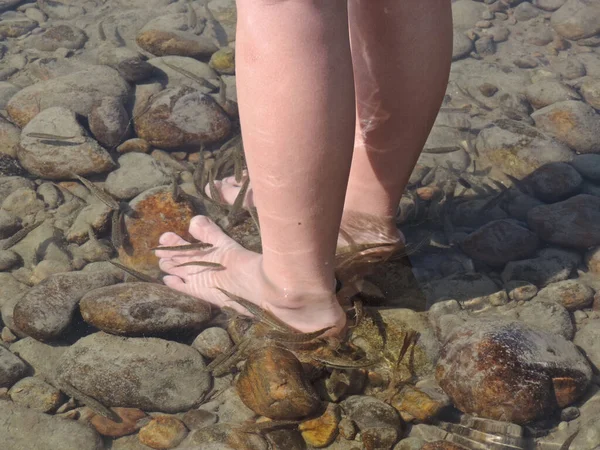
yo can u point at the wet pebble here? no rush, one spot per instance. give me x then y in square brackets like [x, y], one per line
[525, 11]
[163, 432]
[587, 338]
[521, 291]
[547, 92]
[15, 24]
[129, 418]
[471, 290]
[137, 173]
[109, 122]
[23, 202]
[588, 166]
[60, 36]
[135, 145]
[415, 404]
[46, 269]
[130, 64]
[577, 19]
[12, 368]
[195, 419]
[498, 381]
[572, 294]
[462, 46]
[8, 260]
[592, 260]
[36, 394]
[223, 60]
[554, 182]
[42, 358]
[212, 342]
[551, 317]
[322, 431]
[223, 437]
[10, 135]
[590, 89]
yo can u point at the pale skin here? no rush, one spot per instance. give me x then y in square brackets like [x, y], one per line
[332, 127]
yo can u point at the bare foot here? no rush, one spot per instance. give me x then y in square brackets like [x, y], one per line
[243, 276]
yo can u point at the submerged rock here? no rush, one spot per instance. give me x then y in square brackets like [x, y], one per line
[12, 368]
[143, 309]
[137, 173]
[504, 370]
[571, 294]
[577, 19]
[554, 182]
[147, 373]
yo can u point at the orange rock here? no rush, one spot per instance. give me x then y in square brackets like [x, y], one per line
[427, 193]
[321, 432]
[107, 427]
[416, 403]
[442, 445]
[157, 213]
[163, 432]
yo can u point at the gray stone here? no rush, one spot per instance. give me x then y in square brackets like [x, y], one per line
[521, 291]
[549, 5]
[223, 437]
[46, 310]
[8, 260]
[590, 89]
[540, 271]
[77, 92]
[546, 92]
[42, 358]
[554, 182]
[526, 11]
[11, 184]
[130, 64]
[571, 294]
[31, 248]
[472, 290]
[137, 173]
[36, 394]
[14, 25]
[171, 78]
[22, 428]
[572, 223]
[577, 19]
[8, 4]
[212, 342]
[462, 46]
[587, 338]
[109, 122]
[500, 242]
[550, 317]
[129, 443]
[588, 166]
[22, 203]
[379, 424]
[58, 159]
[10, 135]
[95, 215]
[569, 68]
[8, 224]
[61, 36]
[466, 13]
[63, 9]
[520, 204]
[12, 368]
[147, 373]
[232, 409]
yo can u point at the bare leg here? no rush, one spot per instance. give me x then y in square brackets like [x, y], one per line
[296, 98]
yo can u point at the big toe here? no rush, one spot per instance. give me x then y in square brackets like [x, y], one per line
[205, 230]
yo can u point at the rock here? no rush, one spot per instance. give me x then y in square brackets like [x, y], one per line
[23, 202]
[42, 358]
[222, 436]
[212, 342]
[442, 137]
[519, 149]
[415, 404]
[571, 294]
[9, 184]
[135, 145]
[137, 173]
[14, 25]
[285, 440]
[36, 394]
[77, 92]
[273, 384]
[322, 431]
[554, 182]
[588, 166]
[590, 89]
[12, 368]
[549, 5]
[57, 159]
[526, 11]
[147, 373]
[551, 317]
[9, 224]
[95, 215]
[10, 136]
[46, 269]
[592, 260]
[8, 4]
[107, 427]
[577, 19]
[162, 36]
[223, 60]
[504, 370]
[181, 118]
[472, 291]
[572, 223]
[569, 68]
[499, 242]
[44, 432]
[109, 122]
[379, 424]
[131, 65]
[62, 9]
[587, 338]
[163, 432]
[10, 166]
[546, 92]
[225, 13]
[8, 260]
[158, 213]
[178, 71]
[466, 13]
[232, 409]
[46, 310]
[61, 36]
[195, 419]
[572, 122]
[93, 250]
[143, 309]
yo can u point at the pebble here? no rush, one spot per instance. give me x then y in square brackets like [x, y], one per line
[554, 182]
[60, 36]
[130, 64]
[143, 309]
[9, 224]
[462, 46]
[12, 368]
[499, 382]
[592, 260]
[323, 430]
[163, 432]
[222, 436]
[147, 373]
[471, 290]
[500, 242]
[10, 135]
[572, 294]
[15, 25]
[195, 419]
[212, 342]
[46, 269]
[8, 260]
[588, 166]
[135, 145]
[572, 122]
[572, 223]
[466, 13]
[137, 173]
[547, 92]
[50, 194]
[36, 394]
[414, 404]
[46, 310]
[23, 202]
[587, 338]
[569, 68]
[577, 19]
[223, 61]
[95, 215]
[53, 432]
[521, 291]
[109, 122]
[42, 157]
[525, 11]
[549, 5]
[42, 358]
[590, 89]
[9, 184]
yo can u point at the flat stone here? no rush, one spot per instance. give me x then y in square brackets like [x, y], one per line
[505, 370]
[500, 242]
[572, 223]
[577, 19]
[58, 158]
[462, 46]
[147, 373]
[12, 368]
[571, 294]
[554, 182]
[571, 122]
[135, 145]
[41, 357]
[143, 309]
[46, 310]
[44, 432]
[129, 418]
[137, 173]
[551, 317]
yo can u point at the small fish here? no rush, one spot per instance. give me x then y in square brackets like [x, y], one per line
[239, 201]
[88, 401]
[101, 33]
[185, 247]
[267, 425]
[341, 363]
[120, 41]
[135, 273]
[100, 194]
[186, 73]
[223, 364]
[464, 183]
[50, 136]
[440, 150]
[192, 17]
[20, 235]
[116, 229]
[259, 313]
[359, 312]
[296, 337]
[175, 189]
[212, 265]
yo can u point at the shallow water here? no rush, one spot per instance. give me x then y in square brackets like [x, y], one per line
[484, 336]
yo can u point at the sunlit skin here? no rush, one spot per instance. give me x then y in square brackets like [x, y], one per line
[336, 100]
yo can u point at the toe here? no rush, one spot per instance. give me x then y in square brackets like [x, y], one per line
[205, 230]
[175, 282]
[170, 238]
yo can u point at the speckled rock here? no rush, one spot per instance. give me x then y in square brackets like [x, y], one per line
[57, 159]
[12, 368]
[571, 294]
[143, 309]
[590, 89]
[577, 19]
[588, 166]
[147, 373]
[572, 223]
[46, 310]
[551, 317]
[163, 432]
[587, 338]
[137, 173]
[109, 122]
[547, 92]
[42, 358]
[182, 117]
[60, 36]
[212, 342]
[499, 242]
[571, 122]
[222, 436]
[129, 417]
[504, 370]
[36, 394]
[10, 136]
[44, 432]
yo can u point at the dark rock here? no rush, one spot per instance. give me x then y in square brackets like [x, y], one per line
[109, 122]
[554, 182]
[12, 368]
[588, 166]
